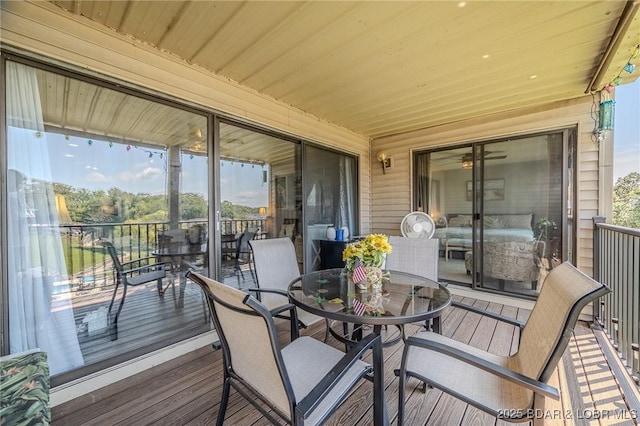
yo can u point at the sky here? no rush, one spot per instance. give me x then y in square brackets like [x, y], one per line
[626, 130]
[91, 164]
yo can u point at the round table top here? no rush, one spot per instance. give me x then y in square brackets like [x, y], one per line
[404, 298]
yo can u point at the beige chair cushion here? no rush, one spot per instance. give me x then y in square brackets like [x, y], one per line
[252, 354]
[417, 256]
[276, 266]
[307, 361]
[565, 289]
[470, 382]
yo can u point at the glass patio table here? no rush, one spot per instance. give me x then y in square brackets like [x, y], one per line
[178, 255]
[404, 298]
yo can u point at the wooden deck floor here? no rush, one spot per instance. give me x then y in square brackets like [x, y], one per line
[186, 390]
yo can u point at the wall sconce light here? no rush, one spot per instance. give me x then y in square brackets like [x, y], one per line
[262, 211]
[467, 164]
[387, 162]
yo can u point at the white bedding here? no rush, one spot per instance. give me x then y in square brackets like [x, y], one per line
[498, 228]
[498, 235]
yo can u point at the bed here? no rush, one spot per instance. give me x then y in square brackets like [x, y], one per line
[498, 228]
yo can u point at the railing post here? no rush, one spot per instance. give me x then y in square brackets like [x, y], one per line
[635, 374]
[596, 259]
[616, 326]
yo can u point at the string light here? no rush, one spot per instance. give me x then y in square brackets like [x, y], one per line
[629, 67]
[603, 119]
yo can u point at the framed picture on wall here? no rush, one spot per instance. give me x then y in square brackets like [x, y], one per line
[281, 192]
[493, 190]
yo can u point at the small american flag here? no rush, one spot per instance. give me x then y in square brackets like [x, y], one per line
[359, 272]
[359, 308]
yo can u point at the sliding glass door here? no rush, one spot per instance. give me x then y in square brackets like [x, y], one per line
[88, 163]
[444, 183]
[520, 199]
[330, 197]
[260, 197]
[502, 209]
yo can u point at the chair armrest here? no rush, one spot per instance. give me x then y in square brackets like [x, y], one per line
[270, 290]
[286, 307]
[293, 318]
[322, 389]
[283, 294]
[140, 260]
[493, 315]
[498, 370]
[147, 263]
[144, 268]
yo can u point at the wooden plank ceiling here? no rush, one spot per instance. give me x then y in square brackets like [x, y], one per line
[382, 68]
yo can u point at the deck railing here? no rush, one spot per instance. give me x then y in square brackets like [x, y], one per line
[616, 262]
[89, 269]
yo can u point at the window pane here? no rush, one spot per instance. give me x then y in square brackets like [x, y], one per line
[89, 164]
[260, 196]
[502, 209]
[331, 202]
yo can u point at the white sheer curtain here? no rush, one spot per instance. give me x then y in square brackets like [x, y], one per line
[35, 256]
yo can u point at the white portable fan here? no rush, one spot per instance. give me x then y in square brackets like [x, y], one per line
[417, 225]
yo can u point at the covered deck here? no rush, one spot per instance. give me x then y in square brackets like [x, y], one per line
[186, 390]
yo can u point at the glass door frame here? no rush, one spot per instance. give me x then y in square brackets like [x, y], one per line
[568, 194]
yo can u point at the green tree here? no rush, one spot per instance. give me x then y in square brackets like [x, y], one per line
[626, 201]
[192, 206]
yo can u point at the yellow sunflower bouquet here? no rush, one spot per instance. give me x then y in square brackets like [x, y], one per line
[368, 252]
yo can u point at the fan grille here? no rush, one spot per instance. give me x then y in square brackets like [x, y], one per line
[417, 225]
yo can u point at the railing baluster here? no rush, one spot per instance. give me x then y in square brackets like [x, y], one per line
[635, 348]
[616, 251]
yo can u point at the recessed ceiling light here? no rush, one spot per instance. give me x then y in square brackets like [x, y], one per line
[486, 56]
[69, 155]
[73, 145]
[534, 76]
[462, 4]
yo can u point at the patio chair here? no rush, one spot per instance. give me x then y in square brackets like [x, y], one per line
[132, 273]
[505, 386]
[240, 254]
[301, 383]
[418, 256]
[276, 266]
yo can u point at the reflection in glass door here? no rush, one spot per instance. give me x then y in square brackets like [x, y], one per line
[260, 197]
[129, 171]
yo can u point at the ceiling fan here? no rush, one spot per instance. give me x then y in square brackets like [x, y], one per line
[467, 159]
[417, 225]
[487, 156]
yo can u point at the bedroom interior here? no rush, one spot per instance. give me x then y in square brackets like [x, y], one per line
[516, 185]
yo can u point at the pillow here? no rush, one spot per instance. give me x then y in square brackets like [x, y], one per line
[462, 221]
[494, 222]
[521, 221]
